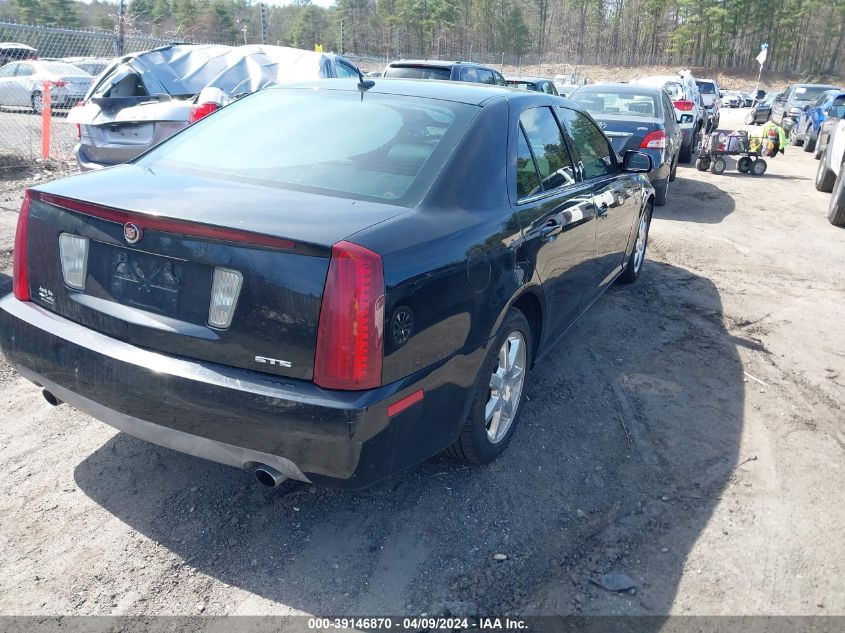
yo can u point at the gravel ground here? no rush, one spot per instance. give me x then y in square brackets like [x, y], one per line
[687, 434]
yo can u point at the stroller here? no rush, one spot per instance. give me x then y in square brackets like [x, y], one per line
[716, 146]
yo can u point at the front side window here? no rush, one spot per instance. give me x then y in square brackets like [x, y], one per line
[345, 70]
[592, 145]
[370, 146]
[551, 156]
[500, 81]
[8, 70]
[25, 70]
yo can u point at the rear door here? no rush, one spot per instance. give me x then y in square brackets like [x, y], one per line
[7, 76]
[613, 193]
[556, 213]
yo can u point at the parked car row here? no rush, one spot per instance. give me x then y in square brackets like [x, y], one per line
[830, 176]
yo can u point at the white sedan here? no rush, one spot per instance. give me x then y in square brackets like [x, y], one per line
[21, 84]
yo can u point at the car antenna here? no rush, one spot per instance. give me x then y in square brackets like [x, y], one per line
[364, 84]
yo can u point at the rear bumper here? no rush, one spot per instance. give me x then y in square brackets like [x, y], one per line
[239, 417]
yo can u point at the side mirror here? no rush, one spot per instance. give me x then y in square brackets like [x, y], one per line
[636, 162]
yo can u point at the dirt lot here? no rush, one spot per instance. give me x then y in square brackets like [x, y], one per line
[688, 433]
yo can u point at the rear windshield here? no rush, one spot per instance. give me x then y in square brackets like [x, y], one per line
[367, 146]
[418, 72]
[627, 103]
[675, 90]
[61, 68]
[706, 87]
[522, 85]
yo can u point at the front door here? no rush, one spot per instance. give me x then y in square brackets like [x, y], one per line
[557, 215]
[614, 195]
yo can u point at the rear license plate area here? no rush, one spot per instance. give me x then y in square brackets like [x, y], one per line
[163, 285]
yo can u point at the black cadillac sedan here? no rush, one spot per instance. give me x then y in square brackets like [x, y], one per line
[329, 282]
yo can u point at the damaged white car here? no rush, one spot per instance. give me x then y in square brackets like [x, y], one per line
[144, 98]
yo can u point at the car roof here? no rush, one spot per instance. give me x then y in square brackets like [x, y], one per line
[458, 91]
[434, 63]
[829, 86]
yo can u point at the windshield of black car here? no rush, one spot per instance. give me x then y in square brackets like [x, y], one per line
[418, 72]
[619, 103]
[706, 87]
[369, 146]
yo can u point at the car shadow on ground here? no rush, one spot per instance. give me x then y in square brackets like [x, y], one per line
[630, 434]
[691, 199]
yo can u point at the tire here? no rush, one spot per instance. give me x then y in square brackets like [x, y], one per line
[637, 258]
[819, 149]
[825, 178]
[702, 163]
[759, 167]
[749, 119]
[474, 444]
[793, 136]
[743, 165]
[809, 140]
[685, 155]
[673, 173]
[660, 195]
[37, 104]
[718, 166]
[836, 210]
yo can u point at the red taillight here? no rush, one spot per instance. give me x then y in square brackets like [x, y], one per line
[20, 283]
[201, 110]
[683, 105]
[654, 140]
[60, 83]
[350, 336]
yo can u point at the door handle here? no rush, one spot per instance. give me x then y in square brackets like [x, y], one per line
[550, 230]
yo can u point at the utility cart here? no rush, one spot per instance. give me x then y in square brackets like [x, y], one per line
[715, 146]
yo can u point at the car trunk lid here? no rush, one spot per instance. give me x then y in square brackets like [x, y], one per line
[627, 134]
[198, 241]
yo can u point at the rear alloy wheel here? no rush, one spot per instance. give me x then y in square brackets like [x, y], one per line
[819, 149]
[718, 166]
[825, 178]
[37, 102]
[836, 211]
[809, 140]
[793, 135]
[743, 165]
[499, 394]
[759, 167]
[637, 258]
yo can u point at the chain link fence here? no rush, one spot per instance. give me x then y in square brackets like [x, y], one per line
[26, 133]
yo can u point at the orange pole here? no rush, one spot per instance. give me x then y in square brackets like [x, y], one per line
[46, 120]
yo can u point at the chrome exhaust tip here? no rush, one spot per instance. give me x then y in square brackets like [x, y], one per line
[268, 476]
[49, 397]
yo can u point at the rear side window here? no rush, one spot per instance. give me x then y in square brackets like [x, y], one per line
[591, 144]
[486, 76]
[527, 180]
[8, 70]
[469, 74]
[546, 142]
[341, 143]
[418, 72]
